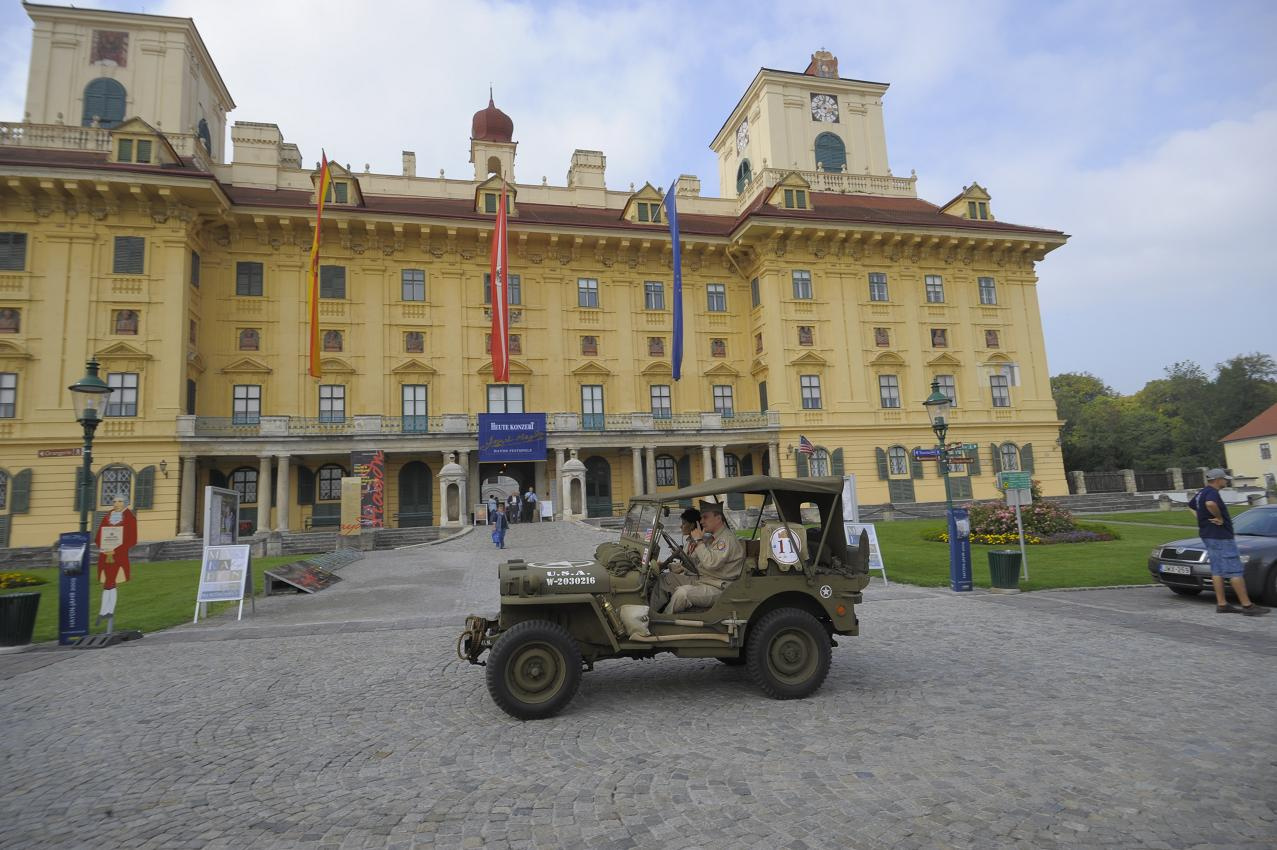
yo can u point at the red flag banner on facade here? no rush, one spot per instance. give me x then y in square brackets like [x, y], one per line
[500, 276]
[312, 300]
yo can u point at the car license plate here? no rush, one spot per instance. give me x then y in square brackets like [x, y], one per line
[1177, 569]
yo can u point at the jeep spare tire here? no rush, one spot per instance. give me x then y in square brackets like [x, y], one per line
[788, 654]
[534, 670]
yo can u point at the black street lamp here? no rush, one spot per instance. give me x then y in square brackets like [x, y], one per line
[89, 395]
[938, 405]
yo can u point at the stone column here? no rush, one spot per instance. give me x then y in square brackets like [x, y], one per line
[636, 464]
[1128, 476]
[707, 471]
[186, 515]
[561, 492]
[649, 453]
[1079, 482]
[720, 462]
[773, 459]
[1177, 478]
[263, 494]
[281, 493]
[463, 459]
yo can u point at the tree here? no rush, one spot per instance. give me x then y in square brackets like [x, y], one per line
[1245, 387]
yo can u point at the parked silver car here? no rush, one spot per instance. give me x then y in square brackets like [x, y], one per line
[1182, 566]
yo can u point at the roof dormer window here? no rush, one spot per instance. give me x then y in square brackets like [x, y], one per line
[978, 210]
[648, 212]
[338, 192]
[491, 202]
[133, 150]
[795, 199]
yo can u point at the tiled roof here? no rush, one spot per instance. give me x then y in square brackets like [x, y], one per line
[1263, 425]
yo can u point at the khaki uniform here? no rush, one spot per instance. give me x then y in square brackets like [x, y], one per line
[718, 562]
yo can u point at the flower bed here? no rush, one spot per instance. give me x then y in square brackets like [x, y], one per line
[12, 580]
[1089, 533]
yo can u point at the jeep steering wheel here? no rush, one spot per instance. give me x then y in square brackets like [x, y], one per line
[677, 552]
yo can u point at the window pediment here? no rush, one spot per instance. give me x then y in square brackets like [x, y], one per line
[413, 367]
[247, 366]
[887, 358]
[122, 351]
[944, 359]
[517, 367]
[721, 370]
[336, 366]
[658, 367]
[13, 351]
[809, 358]
[758, 368]
[592, 367]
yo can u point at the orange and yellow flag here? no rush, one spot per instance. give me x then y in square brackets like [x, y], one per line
[313, 290]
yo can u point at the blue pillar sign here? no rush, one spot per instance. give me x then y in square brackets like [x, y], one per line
[73, 586]
[959, 550]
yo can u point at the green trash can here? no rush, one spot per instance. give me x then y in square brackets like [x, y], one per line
[1004, 569]
[17, 618]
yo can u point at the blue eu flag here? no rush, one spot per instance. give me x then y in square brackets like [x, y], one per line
[671, 213]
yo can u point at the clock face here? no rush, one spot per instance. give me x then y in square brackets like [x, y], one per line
[824, 108]
[742, 136]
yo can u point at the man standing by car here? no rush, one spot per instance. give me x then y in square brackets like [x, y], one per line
[1215, 527]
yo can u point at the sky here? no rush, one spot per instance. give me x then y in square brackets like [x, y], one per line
[1146, 130]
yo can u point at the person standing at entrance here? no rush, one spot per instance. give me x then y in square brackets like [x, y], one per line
[530, 505]
[492, 507]
[1215, 527]
[512, 507]
[500, 525]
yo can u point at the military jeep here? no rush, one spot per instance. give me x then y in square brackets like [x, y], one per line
[798, 588]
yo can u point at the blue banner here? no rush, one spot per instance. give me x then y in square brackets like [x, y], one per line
[676, 350]
[511, 436]
[73, 585]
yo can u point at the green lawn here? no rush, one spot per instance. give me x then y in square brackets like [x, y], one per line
[1175, 516]
[160, 595]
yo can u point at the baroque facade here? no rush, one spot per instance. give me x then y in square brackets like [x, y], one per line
[821, 299]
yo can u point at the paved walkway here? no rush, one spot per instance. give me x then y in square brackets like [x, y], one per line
[1067, 719]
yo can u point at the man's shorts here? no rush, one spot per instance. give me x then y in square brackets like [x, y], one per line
[1225, 560]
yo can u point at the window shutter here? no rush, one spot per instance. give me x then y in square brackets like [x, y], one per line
[915, 467]
[835, 463]
[973, 468]
[800, 461]
[144, 491]
[21, 496]
[881, 456]
[746, 465]
[997, 458]
[217, 478]
[683, 469]
[305, 486]
[1026, 457]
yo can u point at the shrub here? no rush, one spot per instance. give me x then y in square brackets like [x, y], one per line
[11, 580]
[1040, 518]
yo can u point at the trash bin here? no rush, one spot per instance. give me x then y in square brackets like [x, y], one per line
[1004, 569]
[17, 618]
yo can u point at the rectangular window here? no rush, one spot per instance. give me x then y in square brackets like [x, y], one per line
[195, 270]
[505, 398]
[589, 346]
[983, 210]
[247, 404]
[948, 388]
[13, 252]
[414, 284]
[723, 400]
[661, 405]
[332, 403]
[8, 395]
[971, 213]
[878, 286]
[649, 212]
[332, 282]
[592, 407]
[889, 391]
[653, 295]
[718, 347]
[143, 150]
[248, 279]
[991, 339]
[656, 346]
[513, 292]
[340, 192]
[882, 337]
[125, 150]
[414, 342]
[802, 284]
[935, 289]
[192, 333]
[1265, 451]
[939, 338]
[129, 255]
[415, 418]
[516, 343]
[988, 291]
[806, 335]
[123, 400]
[758, 343]
[490, 203]
[810, 386]
[755, 296]
[587, 292]
[795, 199]
[762, 396]
[716, 298]
[1001, 391]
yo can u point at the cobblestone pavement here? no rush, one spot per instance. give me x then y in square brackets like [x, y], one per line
[1117, 718]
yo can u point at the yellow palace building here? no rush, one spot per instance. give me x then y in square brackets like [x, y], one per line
[821, 299]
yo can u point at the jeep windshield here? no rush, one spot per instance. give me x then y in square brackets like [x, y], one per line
[640, 521]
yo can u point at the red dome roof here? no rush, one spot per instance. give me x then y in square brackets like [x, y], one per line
[491, 124]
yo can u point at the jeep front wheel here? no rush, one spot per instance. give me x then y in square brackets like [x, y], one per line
[788, 654]
[534, 670]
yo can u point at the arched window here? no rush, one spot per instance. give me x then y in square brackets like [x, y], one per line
[731, 466]
[249, 339]
[244, 482]
[494, 166]
[332, 341]
[330, 483]
[831, 154]
[818, 464]
[664, 471]
[205, 136]
[898, 460]
[104, 100]
[1009, 456]
[743, 176]
[116, 483]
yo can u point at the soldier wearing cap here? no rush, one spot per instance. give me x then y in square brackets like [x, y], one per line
[1215, 527]
[718, 556]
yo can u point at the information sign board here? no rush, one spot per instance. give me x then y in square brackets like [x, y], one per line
[73, 586]
[926, 454]
[221, 517]
[1014, 481]
[224, 574]
[852, 531]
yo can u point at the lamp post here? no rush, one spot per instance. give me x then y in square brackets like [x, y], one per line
[938, 405]
[89, 396]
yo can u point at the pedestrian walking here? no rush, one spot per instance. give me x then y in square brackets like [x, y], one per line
[500, 525]
[1215, 527]
[530, 505]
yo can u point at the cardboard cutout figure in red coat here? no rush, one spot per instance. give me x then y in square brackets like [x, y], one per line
[116, 535]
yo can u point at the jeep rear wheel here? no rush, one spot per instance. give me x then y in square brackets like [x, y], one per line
[534, 670]
[788, 654]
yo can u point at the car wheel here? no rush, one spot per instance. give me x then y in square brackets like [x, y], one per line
[534, 670]
[1185, 591]
[788, 654]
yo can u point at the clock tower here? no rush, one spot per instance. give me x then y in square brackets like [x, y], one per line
[813, 122]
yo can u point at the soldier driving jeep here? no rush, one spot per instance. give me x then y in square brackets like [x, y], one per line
[698, 574]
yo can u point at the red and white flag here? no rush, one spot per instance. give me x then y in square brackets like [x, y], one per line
[500, 275]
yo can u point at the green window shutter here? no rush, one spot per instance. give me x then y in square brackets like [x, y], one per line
[973, 468]
[1026, 457]
[217, 478]
[305, 486]
[144, 491]
[800, 461]
[21, 495]
[915, 467]
[881, 456]
[746, 465]
[683, 469]
[997, 458]
[900, 491]
[836, 464]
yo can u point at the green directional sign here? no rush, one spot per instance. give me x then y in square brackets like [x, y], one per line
[971, 447]
[1014, 481]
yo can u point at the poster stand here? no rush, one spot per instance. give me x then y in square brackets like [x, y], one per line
[224, 573]
[853, 530]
